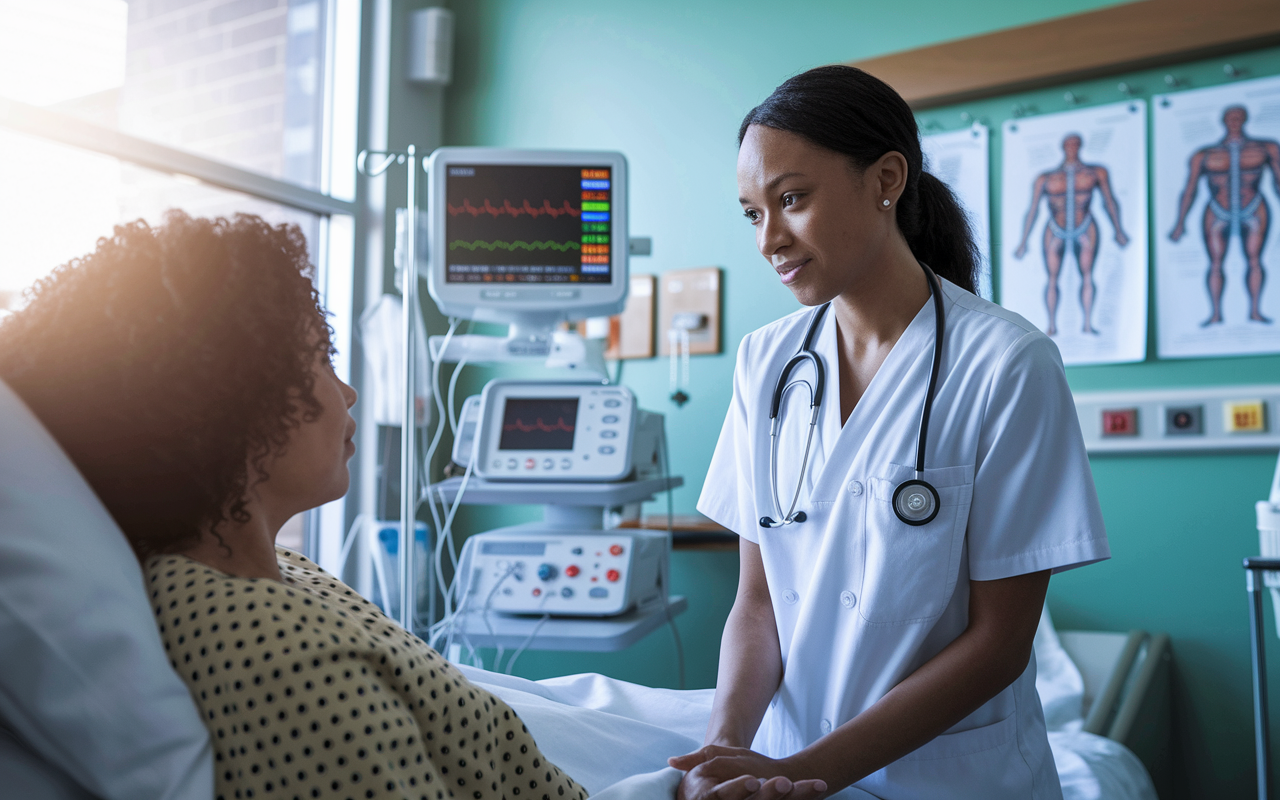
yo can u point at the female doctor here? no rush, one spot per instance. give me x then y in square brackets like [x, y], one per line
[898, 532]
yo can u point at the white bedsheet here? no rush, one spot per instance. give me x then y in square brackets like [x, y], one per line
[615, 737]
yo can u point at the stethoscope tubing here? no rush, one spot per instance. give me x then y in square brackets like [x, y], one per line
[807, 354]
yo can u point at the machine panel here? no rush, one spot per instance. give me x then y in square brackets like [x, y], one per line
[589, 574]
[554, 432]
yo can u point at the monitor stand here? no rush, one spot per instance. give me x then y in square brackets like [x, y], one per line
[556, 349]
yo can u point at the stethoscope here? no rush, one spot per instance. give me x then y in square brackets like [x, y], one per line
[915, 501]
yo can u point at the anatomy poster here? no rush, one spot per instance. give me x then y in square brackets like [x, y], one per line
[962, 160]
[1073, 229]
[1217, 163]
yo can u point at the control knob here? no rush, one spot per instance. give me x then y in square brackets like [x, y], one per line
[547, 572]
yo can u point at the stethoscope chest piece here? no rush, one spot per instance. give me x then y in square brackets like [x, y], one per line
[915, 502]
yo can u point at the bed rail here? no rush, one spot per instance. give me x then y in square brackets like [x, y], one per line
[1132, 704]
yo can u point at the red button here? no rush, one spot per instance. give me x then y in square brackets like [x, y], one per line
[572, 570]
[1120, 422]
[529, 463]
[536, 591]
[616, 550]
[613, 575]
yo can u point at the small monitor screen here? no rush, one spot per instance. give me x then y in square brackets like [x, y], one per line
[528, 224]
[538, 423]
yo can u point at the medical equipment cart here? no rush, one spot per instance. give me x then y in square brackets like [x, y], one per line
[573, 506]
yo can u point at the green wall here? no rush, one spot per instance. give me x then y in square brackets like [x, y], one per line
[667, 84]
[1178, 525]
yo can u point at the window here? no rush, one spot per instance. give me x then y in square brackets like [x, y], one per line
[112, 111]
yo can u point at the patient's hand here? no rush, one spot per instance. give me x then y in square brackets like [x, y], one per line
[736, 773]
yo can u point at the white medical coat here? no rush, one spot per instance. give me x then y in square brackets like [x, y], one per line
[861, 599]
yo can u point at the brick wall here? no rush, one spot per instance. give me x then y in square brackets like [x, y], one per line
[236, 80]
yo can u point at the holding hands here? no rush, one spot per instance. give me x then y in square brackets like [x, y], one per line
[716, 772]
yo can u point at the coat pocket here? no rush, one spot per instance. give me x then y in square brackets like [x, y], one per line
[910, 571]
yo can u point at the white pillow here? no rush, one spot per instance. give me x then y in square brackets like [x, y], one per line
[84, 680]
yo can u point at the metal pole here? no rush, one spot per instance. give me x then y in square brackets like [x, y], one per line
[409, 428]
[1261, 725]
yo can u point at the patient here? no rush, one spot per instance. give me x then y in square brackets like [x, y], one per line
[185, 369]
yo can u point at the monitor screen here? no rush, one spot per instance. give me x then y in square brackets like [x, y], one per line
[538, 423]
[510, 223]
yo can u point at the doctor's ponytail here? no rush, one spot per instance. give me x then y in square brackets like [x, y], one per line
[851, 112]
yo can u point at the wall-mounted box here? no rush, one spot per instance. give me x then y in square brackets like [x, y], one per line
[1186, 419]
[1119, 422]
[1244, 416]
[690, 294]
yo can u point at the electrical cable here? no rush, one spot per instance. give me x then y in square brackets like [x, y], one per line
[423, 483]
[511, 665]
[436, 395]
[380, 576]
[484, 615]
[453, 385]
[445, 540]
[666, 589]
[347, 542]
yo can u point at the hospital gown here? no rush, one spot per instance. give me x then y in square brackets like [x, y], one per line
[310, 691]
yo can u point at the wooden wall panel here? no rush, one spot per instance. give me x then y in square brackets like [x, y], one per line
[1136, 35]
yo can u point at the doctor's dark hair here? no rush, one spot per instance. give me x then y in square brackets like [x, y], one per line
[851, 112]
[171, 364]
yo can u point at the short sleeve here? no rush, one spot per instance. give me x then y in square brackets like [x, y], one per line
[727, 491]
[1034, 503]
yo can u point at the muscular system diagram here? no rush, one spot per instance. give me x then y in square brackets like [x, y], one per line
[1233, 168]
[1068, 189]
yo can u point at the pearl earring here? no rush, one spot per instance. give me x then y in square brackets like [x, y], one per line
[885, 203]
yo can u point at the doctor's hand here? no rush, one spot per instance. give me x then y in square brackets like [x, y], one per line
[735, 773]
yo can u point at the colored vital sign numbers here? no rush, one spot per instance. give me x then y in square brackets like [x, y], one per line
[595, 221]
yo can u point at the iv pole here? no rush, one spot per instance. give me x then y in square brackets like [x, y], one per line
[408, 426]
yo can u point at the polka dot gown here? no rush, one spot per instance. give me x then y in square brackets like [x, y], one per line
[309, 691]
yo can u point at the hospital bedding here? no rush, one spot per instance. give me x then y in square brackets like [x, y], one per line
[614, 737]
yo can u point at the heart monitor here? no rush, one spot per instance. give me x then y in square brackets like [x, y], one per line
[565, 432]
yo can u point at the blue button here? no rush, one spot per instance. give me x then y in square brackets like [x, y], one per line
[606, 450]
[609, 419]
[608, 433]
[599, 591]
[612, 403]
[566, 593]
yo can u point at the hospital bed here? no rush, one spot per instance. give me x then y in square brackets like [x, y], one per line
[89, 706]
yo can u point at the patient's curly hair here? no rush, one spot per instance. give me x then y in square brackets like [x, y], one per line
[171, 364]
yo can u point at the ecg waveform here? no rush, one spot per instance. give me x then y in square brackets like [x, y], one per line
[517, 245]
[515, 211]
[538, 425]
